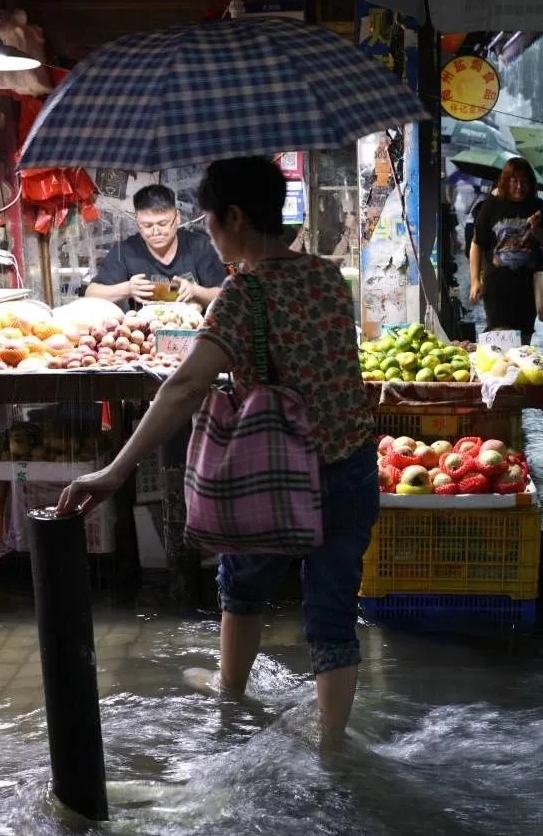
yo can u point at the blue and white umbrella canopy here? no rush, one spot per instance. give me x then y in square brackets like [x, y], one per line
[226, 88]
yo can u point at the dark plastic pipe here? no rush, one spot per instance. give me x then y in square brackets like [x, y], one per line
[62, 595]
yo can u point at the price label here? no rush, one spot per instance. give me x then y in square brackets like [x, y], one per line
[174, 341]
[502, 339]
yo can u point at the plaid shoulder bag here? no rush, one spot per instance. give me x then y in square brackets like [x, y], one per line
[252, 475]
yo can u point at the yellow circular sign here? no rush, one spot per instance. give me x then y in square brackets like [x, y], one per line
[469, 87]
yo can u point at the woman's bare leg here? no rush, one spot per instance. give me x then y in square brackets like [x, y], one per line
[240, 641]
[335, 695]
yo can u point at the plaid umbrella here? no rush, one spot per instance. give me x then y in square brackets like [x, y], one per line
[226, 88]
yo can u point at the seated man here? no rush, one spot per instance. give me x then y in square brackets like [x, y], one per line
[160, 248]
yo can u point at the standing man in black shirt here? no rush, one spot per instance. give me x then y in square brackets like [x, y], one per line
[159, 248]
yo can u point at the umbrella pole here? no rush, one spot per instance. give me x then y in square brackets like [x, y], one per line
[313, 202]
[45, 269]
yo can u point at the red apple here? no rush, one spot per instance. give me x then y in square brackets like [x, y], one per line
[404, 441]
[441, 479]
[441, 446]
[414, 480]
[384, 442]
[490, 457]
[388, 478]
[453, 461]
[494, 444]
[426, 456]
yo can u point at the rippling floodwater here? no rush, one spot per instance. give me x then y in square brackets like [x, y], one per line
[446, 737]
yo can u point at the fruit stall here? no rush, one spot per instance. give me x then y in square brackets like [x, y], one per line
[74, 381]
[458, 539]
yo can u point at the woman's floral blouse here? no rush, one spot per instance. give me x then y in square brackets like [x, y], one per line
[312, 343]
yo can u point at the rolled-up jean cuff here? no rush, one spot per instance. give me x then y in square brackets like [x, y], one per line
[235, 607]
[328, 657]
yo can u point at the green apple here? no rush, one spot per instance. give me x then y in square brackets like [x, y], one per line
[415, 331]
[425, 375]
[430, 361]
[426, 347]
[449, 351]
[370, 362]
[443, 372]
[393, 373]
[403, 343]
[461, 375]
[437, 352]
[387, 363]
[407, 360]
[385, 343]
[458, 362]
[407, 374]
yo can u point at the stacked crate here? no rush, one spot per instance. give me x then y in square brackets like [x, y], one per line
[438, 559]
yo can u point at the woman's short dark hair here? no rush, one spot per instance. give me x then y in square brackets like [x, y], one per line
[255, 184]
[155, 197]
[511, 169]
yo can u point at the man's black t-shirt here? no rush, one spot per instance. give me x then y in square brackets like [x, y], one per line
[195, 255]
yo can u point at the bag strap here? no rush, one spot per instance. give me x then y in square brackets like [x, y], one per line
[264, 366]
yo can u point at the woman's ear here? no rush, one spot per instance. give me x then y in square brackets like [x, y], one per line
[236, 216]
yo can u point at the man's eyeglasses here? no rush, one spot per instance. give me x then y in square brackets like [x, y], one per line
[160, 225]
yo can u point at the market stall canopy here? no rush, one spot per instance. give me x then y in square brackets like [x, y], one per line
[467, 16]
[151, 101]
[485, 164]
[530, 145]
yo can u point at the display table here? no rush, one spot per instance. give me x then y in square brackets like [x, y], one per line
[119, 389]
[461, 395]
[52, 386]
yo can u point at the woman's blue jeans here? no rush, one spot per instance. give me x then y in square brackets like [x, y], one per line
[330, 575]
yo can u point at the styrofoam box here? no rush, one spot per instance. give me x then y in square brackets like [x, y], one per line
[475, 501]
[150, 547]
[148, 481]
[99, 524]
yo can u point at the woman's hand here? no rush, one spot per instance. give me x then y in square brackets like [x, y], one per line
[475, 291]
[88, 491]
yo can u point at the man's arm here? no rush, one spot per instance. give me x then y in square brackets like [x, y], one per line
[204, 296]
[137, 287]
[475, 264]
[112, 292]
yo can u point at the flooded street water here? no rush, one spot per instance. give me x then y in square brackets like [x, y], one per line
[446, 735]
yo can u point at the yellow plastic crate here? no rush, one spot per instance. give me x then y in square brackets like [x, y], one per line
[454, 551]
[430, 422]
